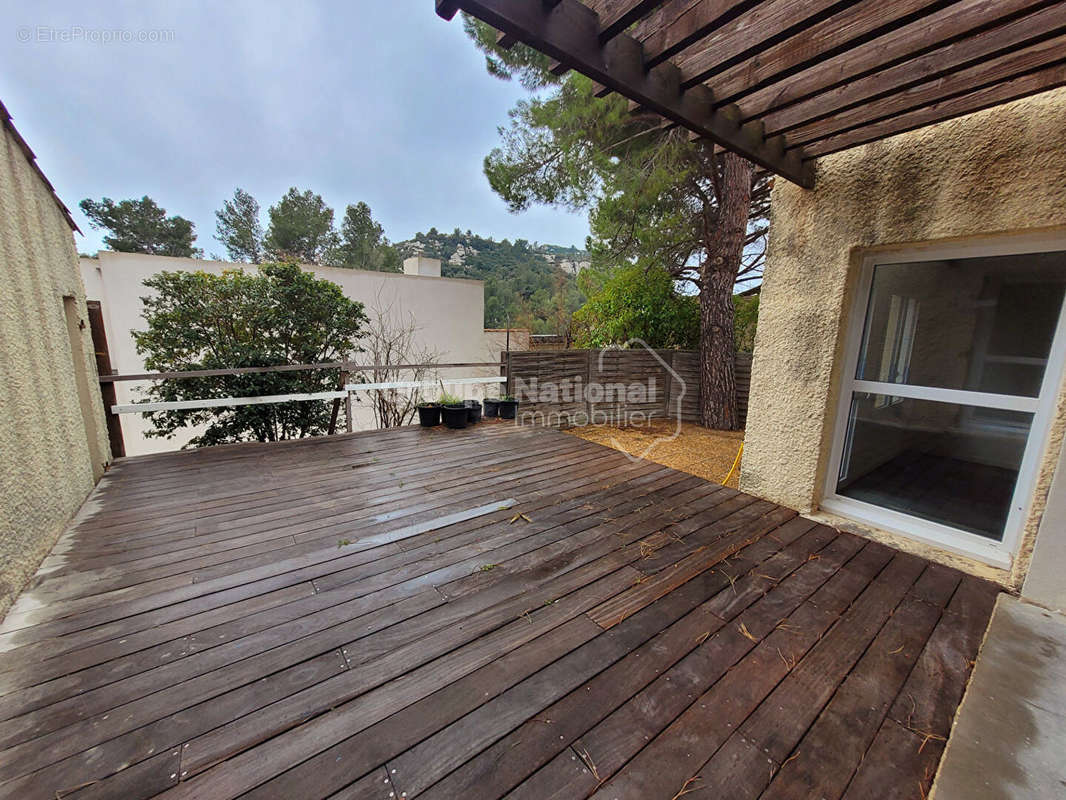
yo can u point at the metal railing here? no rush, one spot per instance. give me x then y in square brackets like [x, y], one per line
[346, 386]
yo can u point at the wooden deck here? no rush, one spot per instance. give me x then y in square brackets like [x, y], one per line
[357, 617]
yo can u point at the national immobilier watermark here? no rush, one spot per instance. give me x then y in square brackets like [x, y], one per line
[579, 401]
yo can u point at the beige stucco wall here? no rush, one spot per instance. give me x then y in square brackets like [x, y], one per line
[45, 447]
[447, 312]
[999, 172]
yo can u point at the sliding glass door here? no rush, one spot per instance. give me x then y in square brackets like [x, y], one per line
[949, 382]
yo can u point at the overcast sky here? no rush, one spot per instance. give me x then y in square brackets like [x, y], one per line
[372, 100]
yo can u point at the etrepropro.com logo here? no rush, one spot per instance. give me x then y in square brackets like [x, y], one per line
[80, 34]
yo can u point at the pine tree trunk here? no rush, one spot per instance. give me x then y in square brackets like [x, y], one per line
[718, 387]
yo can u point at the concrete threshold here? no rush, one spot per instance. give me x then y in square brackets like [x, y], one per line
[1009, 736]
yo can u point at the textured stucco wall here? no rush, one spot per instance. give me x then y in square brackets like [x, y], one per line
[44, 446]
[997, 172]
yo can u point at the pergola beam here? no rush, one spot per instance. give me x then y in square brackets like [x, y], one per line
[841, 49]
[816, 44]
[984, 73]
[570, 34]
[994, 95]
[681, 23]
[751, 33]
[944, 60]
[617, 15]
[826, 74]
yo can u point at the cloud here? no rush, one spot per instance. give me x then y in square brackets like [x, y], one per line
[380, 102]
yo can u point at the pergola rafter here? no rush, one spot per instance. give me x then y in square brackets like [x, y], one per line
[935, 63]
[570, 33]
[681, 23]
[615, 18]
[783, 82]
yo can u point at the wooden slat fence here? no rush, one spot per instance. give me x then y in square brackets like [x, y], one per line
[742, 365]
[668, 378]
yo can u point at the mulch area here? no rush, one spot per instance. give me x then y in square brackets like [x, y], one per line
[696, 450]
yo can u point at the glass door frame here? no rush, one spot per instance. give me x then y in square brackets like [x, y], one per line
[998, 554]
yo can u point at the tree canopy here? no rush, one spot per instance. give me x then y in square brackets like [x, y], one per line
[656, 198]
[301, 228]
[636, 303]
[649, 190]
[746, 321]
[633, 302]
[363, 244]
[238, 228]
[276, 315]
[141, 226]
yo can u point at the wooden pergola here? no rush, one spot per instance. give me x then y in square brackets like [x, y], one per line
[783, 82]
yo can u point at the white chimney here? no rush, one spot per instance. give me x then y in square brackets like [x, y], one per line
[420, 265]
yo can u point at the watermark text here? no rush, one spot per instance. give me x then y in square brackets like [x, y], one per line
[578, 402]
[74, 34]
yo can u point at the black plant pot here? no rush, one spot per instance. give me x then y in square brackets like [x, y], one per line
[492, 406]
[508, 409]
[473, 410]
[454, 416]
[429, 415]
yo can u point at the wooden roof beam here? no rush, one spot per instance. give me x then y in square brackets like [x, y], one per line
[1047, 22]
[840, 49]
[570, 34]
[984, 73]
[1033, 83]
[616, 16]
[817, 43]
[682, 23]
[748, 34]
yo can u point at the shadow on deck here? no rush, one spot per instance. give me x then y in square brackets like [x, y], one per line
[359, 616]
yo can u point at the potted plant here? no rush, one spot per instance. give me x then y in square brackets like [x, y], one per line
[428, 414]
[508, 407]
[473, 410]
[492, 407]
[452, 410]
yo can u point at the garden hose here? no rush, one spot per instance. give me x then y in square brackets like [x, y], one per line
[733, 468]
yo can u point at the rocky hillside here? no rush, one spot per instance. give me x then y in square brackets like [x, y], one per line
[526, 285]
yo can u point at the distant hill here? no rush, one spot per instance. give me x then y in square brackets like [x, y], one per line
[526, 285]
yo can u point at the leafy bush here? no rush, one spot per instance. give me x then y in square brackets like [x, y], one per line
[278, 315]
[746, 317]
[636, 303]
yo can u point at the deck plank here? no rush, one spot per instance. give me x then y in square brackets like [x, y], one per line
[679, 752]
[329, 618]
